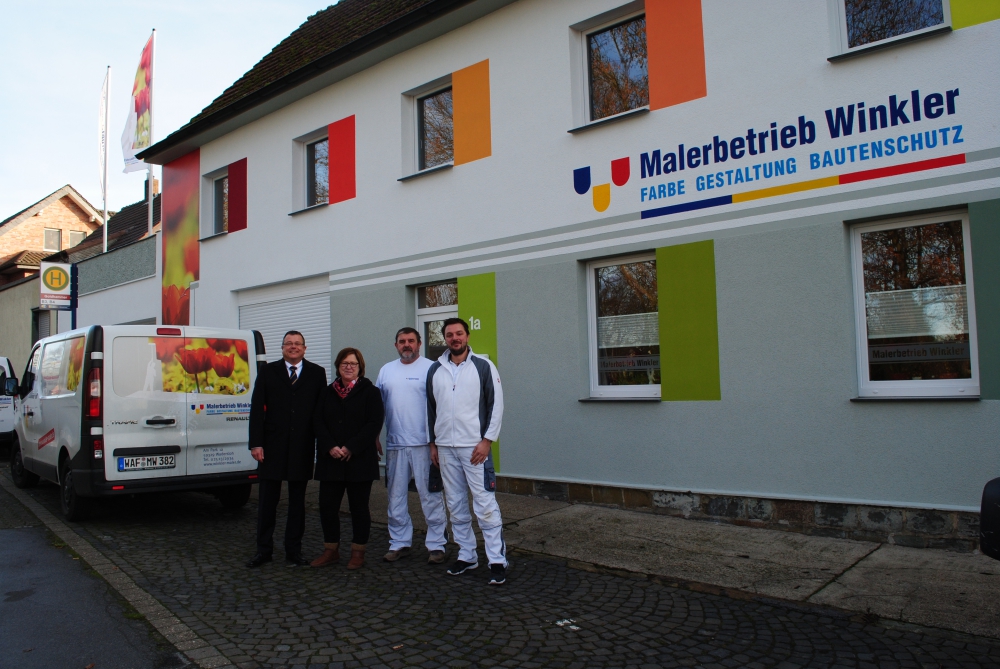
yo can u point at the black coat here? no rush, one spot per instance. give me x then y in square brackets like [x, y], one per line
[281, 420]
[354, 422]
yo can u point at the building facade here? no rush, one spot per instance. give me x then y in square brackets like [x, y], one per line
[732, 260]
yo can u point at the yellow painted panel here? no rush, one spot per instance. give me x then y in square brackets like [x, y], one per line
[470, 91]
[965, 13]
[786, 189]
[602, 197]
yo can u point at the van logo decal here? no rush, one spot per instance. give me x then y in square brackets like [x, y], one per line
[47, 439]
[222, 408]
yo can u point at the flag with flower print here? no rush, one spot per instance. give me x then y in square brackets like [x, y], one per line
[138, 128]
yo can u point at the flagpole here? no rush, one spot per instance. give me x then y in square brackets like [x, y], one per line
[107, 114]
[152, 60]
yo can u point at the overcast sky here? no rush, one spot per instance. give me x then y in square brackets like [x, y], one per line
[53, 57]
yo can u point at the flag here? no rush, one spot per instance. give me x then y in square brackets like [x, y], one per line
[138, 128]
[102, 126]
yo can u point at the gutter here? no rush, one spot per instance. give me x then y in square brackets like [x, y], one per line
[379, 37]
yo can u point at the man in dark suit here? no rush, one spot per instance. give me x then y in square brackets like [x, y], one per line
[283, 444]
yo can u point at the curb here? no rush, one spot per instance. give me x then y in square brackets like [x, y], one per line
[196, 649]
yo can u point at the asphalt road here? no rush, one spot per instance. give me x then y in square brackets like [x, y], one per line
[55, 615]
[188, 553]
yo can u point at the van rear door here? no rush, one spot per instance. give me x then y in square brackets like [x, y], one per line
[219, 408]
[145, 403]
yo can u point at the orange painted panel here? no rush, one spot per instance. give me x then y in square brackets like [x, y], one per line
[675, 44]
[470, 91]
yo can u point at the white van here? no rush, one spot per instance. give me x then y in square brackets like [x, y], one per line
[6, 405]
[124, 409]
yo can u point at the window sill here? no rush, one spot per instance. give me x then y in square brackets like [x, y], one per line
[315, 206]
[878, 46]
[610, 119]
[620, 399]
[942, 398]
[214, 235]
[429, 170]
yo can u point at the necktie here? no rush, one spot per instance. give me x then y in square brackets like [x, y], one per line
[292, 376]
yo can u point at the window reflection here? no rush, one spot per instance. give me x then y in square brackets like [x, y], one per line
[436, 127]
[876, 20]
[318, 162]
[619, 79]
[628, 332]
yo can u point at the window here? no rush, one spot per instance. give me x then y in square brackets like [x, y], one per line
[435, 130]
[869, 22]
[221, 205]
[435, 303]
[53, 240]
[76, 237]
[624, 327]
[317, 173]
[617, 66]
[62, 365]
[915, 308]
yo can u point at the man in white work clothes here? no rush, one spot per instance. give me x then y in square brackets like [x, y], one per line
[464, 410]
[403, 384]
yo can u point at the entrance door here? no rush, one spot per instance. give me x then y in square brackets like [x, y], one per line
[435, 303]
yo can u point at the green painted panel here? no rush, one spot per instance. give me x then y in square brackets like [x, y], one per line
[965, 13]
[477, 305]
[984, 221]
[689, 323]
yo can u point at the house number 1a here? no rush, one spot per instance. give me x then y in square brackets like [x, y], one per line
[475, 323]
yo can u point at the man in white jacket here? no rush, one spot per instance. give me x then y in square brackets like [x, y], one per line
[464, 411]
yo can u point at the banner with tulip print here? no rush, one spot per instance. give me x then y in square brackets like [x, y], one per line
[181, 179]
[139, 126]
[206, 366]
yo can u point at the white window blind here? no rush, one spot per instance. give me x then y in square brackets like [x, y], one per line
[921, 312]
[629, 330]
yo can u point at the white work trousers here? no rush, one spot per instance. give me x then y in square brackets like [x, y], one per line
[461, 476]
[402, 464]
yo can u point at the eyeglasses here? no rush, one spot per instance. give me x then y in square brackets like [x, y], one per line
[350, 364]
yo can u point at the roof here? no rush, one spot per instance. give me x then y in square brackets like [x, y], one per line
[30, 211]
[327, 39]
[22, 260]
[127, 226]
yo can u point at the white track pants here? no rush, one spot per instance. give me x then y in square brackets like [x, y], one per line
[461, 476]
[402, 464]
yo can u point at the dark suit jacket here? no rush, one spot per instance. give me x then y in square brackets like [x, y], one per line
[354, 422]
[281, 420]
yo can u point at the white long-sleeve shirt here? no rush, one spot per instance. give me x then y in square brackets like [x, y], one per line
[464, 401]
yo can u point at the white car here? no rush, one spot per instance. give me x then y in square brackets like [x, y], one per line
[125, 409]
[6, 405]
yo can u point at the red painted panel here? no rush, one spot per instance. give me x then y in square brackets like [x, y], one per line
[620, 171]
[343, 177]
[238, 195]
[675, 43]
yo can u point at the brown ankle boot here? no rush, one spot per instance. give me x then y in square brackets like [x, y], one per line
[331, 554]
[357, 557]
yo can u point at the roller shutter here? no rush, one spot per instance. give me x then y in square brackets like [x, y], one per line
[309, 314]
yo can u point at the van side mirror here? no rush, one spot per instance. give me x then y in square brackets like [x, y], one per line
[989, 520]
[10, 387]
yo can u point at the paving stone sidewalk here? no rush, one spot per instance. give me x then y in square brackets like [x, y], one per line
[185, 552]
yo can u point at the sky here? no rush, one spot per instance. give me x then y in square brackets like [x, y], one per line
[53, 59]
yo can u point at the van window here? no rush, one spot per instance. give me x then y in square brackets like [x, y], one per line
[180, 365]
[61, 367]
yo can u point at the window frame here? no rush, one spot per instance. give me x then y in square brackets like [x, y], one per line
[419, 114]
[842, 41]
[310, 172]
[220, 227]
[76, 232]
[426, 314]
[652, 390]
[45, 241]
[588, 67]
[924, 388]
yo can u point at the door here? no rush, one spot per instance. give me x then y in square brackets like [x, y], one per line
[58, 420]
[31, 411]
[145, 405]
[218, 416]
[429, 326]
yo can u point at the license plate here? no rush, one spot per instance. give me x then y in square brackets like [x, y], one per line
[137, 463]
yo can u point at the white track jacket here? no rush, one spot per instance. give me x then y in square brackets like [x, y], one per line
[464, 402]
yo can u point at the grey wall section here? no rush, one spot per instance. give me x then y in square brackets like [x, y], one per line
[367, 319]
[786, 426]
[16, 303]
[984, 220]
[121, 265]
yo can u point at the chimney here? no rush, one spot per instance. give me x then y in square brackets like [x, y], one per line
[145, 189]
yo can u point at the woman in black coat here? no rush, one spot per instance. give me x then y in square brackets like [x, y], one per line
[347, 421]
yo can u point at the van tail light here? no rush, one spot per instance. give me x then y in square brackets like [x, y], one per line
[98, 449]
[92, 401]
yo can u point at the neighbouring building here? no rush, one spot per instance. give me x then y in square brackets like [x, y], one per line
[733, 260]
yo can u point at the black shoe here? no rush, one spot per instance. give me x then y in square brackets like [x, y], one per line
[296, 560]
[499, 574]
[257, 560]
[460, 567]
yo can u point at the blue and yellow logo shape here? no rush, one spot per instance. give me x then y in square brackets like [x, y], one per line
[620, 172]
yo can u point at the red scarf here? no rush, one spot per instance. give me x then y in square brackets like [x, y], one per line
[341, 390]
